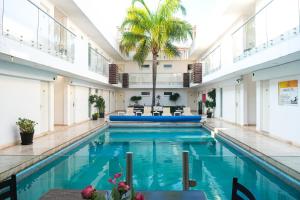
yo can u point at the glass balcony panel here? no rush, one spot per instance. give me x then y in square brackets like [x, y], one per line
[276, 22]
[249, 35]
[98, 63]
[70, 46]
[22, 26]
[238, 42]
[282, 18]
[261, 36]
[162, 79]
[45, 32]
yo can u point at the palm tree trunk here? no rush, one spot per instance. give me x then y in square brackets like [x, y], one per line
[154, 73]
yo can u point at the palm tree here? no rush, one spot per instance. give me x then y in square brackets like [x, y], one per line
[144, 31]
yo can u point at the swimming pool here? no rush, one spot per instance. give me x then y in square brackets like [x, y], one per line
[157, 164]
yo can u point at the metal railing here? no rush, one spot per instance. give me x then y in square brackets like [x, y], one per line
[98, 63]
[23, 21]
[186, 182]
[277, 21]
[162, 79]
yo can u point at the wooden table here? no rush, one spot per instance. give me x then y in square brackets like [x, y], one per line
[59, 194]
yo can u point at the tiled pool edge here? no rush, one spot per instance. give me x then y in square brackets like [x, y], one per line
[38, 158]
[276, 168]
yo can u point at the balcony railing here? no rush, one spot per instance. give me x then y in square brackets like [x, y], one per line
[212, 62]
[26, 23]
[162, 80]
[274, 23]
[184, 55]
[98, 63]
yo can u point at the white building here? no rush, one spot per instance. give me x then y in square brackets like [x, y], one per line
[53, 56]
[254, 67]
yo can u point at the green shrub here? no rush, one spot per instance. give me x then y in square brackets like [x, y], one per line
[98, 101]
[136, 99]
[26, 125]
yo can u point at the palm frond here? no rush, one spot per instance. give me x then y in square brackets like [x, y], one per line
[143, 3]
[179, 30]
[171, 50]
[142, 51]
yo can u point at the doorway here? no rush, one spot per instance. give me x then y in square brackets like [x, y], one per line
[44, 107]
[72, 105]
[192, 100]
[221, 102]
[265, 106]
[120, 101]
[237, 104]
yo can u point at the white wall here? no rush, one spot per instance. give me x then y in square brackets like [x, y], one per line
[229, 103]
[147, 100]
[250, 100]
[59, 94]
[284, 119]
[19, 98]
[177, 67]
[81, 104]
[105, 95]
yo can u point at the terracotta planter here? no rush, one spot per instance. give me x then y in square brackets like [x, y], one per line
[26, 138]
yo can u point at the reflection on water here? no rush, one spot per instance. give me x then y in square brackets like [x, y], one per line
[157, 165]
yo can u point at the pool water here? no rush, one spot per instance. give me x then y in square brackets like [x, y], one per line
[157, 162]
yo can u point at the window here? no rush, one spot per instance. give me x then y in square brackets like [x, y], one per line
[146, 66]
[168, 66]
[145, 93]
[167, 93]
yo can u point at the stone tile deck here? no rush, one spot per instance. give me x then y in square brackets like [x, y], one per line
[16, 158]
[280, 154]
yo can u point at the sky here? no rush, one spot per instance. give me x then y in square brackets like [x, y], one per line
[107, 15]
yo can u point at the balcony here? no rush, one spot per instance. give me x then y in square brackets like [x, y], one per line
[98, 63]
[277, 22]
[29, 25]
[163, 80]
[212, 62]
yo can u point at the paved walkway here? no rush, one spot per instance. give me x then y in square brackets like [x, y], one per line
[16, 158]
[278, 153]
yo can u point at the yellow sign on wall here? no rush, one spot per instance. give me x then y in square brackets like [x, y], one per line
[288, 92]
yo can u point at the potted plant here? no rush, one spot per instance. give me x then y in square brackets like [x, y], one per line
[174, 97]
[211, 103]
[120, 191]
[95, 116]
[158, 99]
[136, 99]
[100, 104]
[26, 127]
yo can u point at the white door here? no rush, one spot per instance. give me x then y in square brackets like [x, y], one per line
[120, 98]
[192, 100]
[265, 106]
[44, 107]
[72, 105]
[237, 104]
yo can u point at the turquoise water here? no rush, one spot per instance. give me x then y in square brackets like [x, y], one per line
[157, 165]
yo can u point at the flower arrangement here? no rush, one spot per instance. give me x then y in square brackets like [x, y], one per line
[120, 191]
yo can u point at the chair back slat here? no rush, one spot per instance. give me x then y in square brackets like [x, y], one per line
[8, 188]
[239, 187]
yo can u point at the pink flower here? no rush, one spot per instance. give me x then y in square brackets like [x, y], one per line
[117, 175]
[123, 186]
[113, 181]
[87, 192]
[139, 196]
